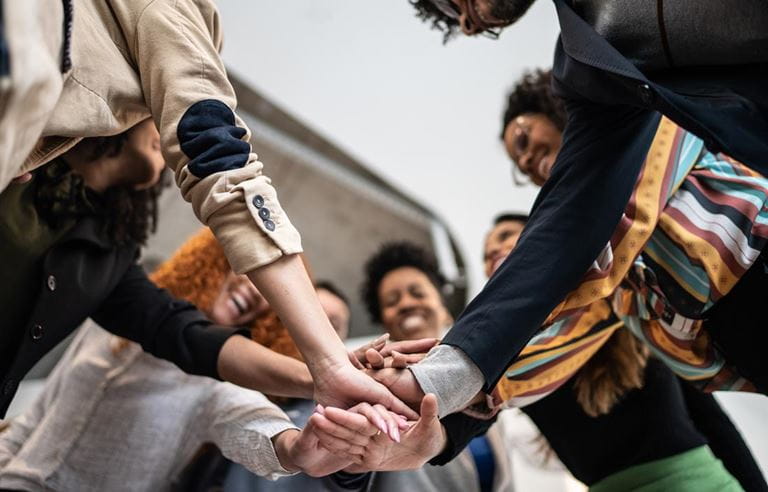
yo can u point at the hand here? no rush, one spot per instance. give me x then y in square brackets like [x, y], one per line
[302, 451]
[334, 438]
[400, 354]
[379, 354]
[402, 383]
[357, 356]
[343, 386]
[424, 440]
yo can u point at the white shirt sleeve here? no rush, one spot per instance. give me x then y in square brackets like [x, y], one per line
[242, 423]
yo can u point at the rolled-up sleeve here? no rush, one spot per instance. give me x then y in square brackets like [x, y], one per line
[176, 48]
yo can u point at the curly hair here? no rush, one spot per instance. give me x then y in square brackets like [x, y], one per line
[129, 215]
[392, 256]
[196, 272]
[533, 94]
[427, 12]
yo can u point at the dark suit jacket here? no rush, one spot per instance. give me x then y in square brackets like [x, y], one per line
[613, 112]
[86, 275]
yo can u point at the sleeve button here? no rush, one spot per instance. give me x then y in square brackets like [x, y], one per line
[269, 225]
[258, 201]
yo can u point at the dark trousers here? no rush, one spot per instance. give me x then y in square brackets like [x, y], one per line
[738, 324]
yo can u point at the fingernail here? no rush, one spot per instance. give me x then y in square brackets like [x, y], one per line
[381, 425]
[396, 433]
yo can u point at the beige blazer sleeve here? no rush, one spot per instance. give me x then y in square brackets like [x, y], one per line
[175, 46]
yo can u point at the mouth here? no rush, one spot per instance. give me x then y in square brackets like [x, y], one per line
[413, 321]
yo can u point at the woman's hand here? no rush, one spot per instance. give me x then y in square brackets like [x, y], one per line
[424, 439]
[379, 354]
[344, 386]
[334, 438]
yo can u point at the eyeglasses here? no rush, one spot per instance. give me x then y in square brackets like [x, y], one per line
[448, 8]
[453, 12]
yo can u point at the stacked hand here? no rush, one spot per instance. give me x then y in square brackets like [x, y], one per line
[371, 437]
[334, 439]
[344, 385]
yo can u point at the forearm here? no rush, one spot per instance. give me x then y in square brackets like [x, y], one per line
[286, 285]
[250, 365]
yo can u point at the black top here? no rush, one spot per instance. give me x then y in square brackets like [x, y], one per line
[84, 274]
[646, 425]
[665, 417]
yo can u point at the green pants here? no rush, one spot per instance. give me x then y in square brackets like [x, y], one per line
[696, 470]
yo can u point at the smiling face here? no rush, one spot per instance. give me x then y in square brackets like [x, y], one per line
[411, 306]
[533, 141]
[238, 302]
[500, 242]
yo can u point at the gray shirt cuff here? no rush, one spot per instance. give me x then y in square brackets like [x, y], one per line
[451, 376]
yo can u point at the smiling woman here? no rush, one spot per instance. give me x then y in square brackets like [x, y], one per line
[402, 291]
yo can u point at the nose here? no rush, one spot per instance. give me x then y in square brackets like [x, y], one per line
[525, 163]
[407, 302]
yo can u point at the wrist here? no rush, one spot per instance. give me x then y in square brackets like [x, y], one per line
[284, 445]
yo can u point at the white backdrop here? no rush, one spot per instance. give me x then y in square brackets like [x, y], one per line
[425, 116]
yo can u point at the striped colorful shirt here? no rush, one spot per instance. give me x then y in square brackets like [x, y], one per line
[694, 225]
[555, 354]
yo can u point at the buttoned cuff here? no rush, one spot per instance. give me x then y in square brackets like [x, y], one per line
[241, 208]
[451, 376]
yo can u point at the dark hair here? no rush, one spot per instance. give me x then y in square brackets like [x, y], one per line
[129, 215]
[533, 94]
[427, 12]
[330, 287]
[510, 217]
[132, 214]
[392, 256]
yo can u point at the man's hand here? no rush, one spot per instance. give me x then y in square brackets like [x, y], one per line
[424, 440]
[401, 383]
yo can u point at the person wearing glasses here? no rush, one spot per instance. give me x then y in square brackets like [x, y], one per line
[619, 71]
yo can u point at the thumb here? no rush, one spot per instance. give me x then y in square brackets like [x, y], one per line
[429, 408]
